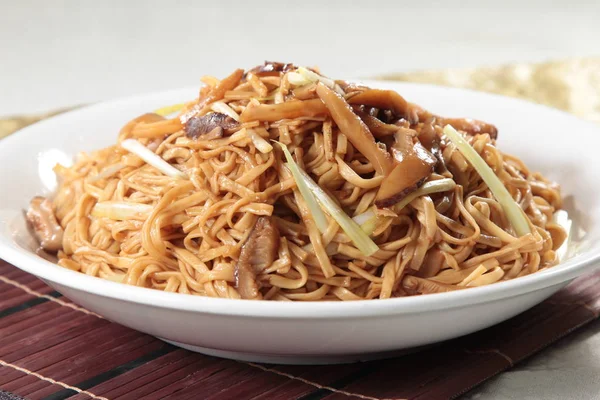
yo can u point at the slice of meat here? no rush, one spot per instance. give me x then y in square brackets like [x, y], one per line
[45, 226]
[212, 123]
[258, 253]
[272, 68]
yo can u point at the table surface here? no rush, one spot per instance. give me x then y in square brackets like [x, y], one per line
[61, 53]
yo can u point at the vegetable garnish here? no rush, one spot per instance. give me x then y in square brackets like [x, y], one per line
[304, 76]
[259, 142]
[107, 172]
[367, 221]
[297, 79]
[164, 111]
[121, 211]
[311, 192]
[151, 158]
[440, 185]
[361, 240]
[514, 213]
[307, 195]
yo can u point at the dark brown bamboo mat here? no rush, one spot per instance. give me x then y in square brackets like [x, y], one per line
[52, 349]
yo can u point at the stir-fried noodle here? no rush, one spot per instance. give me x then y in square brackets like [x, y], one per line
[205, 202]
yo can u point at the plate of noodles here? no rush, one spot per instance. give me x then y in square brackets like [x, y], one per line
[276, 214]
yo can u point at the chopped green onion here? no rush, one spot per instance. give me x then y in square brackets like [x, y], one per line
[367, 221]
[361, 240]
[304, 76]
[151, 158]
[513, 212]
[561, 217]
[369, 226]
[261, 144]
[307, 195]
[297, 79]
[440, 185]
[107, 172]
[121, 210]
[314, 77]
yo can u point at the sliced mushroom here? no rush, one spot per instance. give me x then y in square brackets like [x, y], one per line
[258, 252]
[46, 228]
[272, 68]
[209, 126]
[431, 140]
[378, 128]
[383, 99]
[288, 110]
[413, 165]
[355, 130]
[432, 264]
[350, 87]
[245, 282]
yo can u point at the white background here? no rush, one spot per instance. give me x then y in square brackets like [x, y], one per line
[59, 53]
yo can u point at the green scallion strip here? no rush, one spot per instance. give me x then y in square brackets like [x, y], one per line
[513, 212]
[360, 238]
[440, 185]
[307, 195]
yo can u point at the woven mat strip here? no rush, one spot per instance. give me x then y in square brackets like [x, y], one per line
[46, 353]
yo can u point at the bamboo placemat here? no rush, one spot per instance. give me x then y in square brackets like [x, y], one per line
[53, 349]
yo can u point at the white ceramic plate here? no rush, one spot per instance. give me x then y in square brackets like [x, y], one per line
[561, 146]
